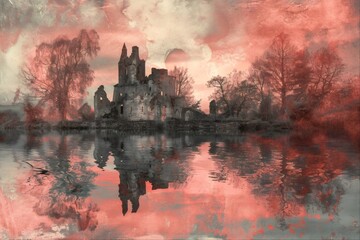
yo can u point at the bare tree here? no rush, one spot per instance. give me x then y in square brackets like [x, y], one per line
[314, 80]
[60, 71]
[232, 93]
[33, 114]
[245, 93]
[222, 87]
[326, 69]
[259, 77]
[301, 74]
[184, 85]
[278, 63]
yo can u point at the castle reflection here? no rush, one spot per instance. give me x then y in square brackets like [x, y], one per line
[156, 159]
[290, 172]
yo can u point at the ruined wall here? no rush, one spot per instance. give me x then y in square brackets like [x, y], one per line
[149, 107]
[178, 105]
[15, 108]
[137, 108]
[137, 97]
[133, 102]
[165, 82]
[101, 103]
[116, 94]
[141, 71]
[145, 102]
[168, 86]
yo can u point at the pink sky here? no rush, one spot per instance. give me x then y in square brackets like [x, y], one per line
[215, 36]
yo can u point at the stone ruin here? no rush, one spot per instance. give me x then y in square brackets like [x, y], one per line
[213, 108]
[137, 96]
[101, 103]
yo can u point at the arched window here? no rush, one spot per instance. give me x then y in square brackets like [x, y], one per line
[121, 109]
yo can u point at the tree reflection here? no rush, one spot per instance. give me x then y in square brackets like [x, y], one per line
[156, 159]
[63, 193]
[288, 171]
[9, 137]
[33, 142]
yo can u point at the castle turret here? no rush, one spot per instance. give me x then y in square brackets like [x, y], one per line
[123, 52]
[135, 53]
[122, 66]
[135, 68]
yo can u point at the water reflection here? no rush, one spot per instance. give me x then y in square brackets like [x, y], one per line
[288, 171]
[64, 183]
[154, 159]
[78, 182]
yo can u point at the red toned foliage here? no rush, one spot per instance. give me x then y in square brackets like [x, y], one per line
[59, 72]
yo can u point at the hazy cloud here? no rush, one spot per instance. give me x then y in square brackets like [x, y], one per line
[217, 35]
[172, 24]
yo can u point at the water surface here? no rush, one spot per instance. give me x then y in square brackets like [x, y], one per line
[103, 185]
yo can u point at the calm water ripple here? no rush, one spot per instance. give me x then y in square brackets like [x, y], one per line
[102, 185]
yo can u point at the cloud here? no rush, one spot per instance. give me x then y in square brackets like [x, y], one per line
[251, 25]
[172, 24]
[10, 62]
[218, 35]
[22, 13]
[25, 24]
[182, 25]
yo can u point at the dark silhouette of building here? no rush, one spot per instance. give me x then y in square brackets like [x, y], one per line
[137, 96]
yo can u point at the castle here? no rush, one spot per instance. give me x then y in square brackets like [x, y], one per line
[137, 96]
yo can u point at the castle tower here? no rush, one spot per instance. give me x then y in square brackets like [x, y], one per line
[135, 53]
[122, 65]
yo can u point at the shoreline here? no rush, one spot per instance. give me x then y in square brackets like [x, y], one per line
[232, 127]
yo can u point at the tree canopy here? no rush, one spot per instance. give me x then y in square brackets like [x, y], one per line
[278, 64]
[59, 70]
[232, 93]
[298, 79]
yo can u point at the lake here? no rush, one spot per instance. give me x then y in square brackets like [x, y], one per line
[103, 185]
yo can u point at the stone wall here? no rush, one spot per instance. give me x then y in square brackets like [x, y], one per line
[166, 82]
[178, 126]
[149, 107]
[101, 103]
[121, 126]
[15, 108]
[233, 127]
[137, 97]
[127, 126]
